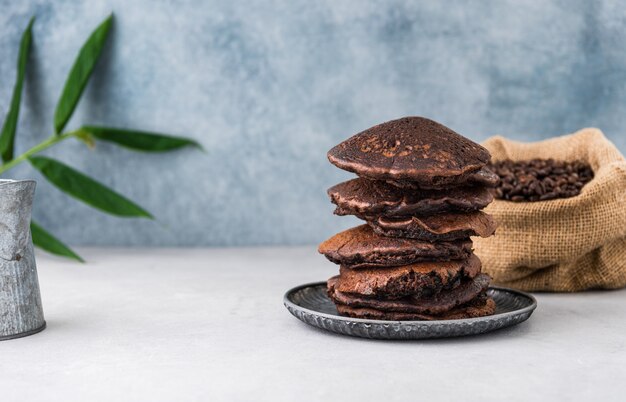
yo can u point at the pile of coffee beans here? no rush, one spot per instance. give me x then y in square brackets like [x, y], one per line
[540, 179]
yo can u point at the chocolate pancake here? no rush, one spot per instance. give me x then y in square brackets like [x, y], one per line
[413, 149]
[479, 307]
[363, 197]
[435, 228]
[483, 177]
[419, 279]
[360, 247]
[439, 303]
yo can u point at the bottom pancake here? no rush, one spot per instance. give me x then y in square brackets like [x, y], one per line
[444, 301]
[479, 307]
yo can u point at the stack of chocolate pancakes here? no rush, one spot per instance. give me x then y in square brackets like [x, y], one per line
[420, 190]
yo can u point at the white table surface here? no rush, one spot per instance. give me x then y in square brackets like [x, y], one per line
[209, 325]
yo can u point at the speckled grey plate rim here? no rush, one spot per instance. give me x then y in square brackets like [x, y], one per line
[528, 309]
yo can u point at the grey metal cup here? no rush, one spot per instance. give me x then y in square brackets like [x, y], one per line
[21, 313]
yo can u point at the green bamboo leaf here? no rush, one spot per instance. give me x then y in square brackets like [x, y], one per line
[51, 244]
[87, 138]
[80, 73]
[7, 138]
[86, 189]
[141, 140]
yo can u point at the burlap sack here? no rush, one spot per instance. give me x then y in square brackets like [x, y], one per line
[562, 245]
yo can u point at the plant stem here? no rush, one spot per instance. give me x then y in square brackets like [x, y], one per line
[37, 148]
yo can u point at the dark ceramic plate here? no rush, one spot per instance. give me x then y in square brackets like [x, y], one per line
[310, 304]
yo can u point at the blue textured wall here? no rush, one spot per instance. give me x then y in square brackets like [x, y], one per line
[268, 87]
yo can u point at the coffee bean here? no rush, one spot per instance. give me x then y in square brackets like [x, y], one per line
[540, 179]
[540, 188]
[547, 196]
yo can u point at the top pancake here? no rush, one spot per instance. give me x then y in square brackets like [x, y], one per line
[413, 149]
[481, 177]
